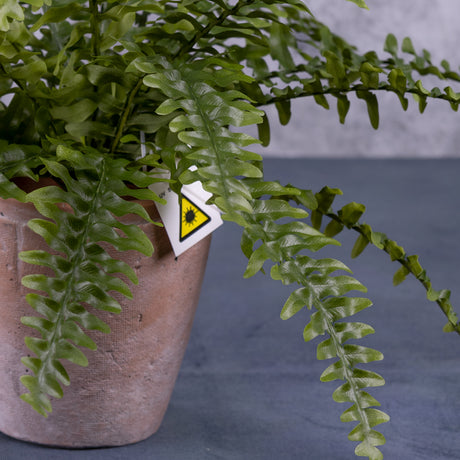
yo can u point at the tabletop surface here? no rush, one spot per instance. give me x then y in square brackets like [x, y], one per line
[249, 385]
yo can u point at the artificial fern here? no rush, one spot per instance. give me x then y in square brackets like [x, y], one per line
[188, 74]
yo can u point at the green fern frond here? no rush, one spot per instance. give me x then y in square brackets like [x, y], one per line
[79, 216]
[201, 124]
[349, 217]
[326, 294]
[273, 228]
[327, 66]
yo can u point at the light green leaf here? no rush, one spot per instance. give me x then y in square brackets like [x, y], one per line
[360, 3]
[373, 438]
[9, 9]
[352, 330]
[342, 307]
[374, 416]
[32, 71]
[326, 349]
[70, 352]
[351, 213]
[317, 326]
[334, 372]
[275, 209]
[398, 81]
[395, 251]
[297, 300]
[359, 354]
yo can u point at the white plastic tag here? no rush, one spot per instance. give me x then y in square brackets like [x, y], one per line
[189, 219]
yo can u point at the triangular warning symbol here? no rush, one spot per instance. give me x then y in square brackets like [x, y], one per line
[192, 218]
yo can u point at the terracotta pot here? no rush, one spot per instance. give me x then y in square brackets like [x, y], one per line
[123, 394]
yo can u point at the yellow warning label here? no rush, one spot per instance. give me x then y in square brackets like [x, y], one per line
[192, 218]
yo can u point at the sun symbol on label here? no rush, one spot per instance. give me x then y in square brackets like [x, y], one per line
[192, 218]
[189, 216]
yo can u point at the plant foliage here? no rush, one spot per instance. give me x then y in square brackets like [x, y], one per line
[83, 83]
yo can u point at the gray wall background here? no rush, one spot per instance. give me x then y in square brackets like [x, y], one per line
[316, 132]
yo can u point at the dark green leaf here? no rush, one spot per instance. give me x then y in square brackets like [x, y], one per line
[333, 228]
[407, 46]
[343, 105]
[264, 131]
[284, 111]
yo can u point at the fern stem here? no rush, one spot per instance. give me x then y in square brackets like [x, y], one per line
[95, 33]
[353, 89]
[69, 292]
[125, 114]
[207, 125]
[347, 368]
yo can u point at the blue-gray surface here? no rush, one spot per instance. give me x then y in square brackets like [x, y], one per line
[249, 386]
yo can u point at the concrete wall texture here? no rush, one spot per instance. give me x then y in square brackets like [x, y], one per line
[316, 132]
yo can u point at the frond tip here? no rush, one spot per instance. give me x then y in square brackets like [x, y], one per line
[326, 294]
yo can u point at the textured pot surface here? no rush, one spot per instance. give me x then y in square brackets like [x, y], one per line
[122, 396]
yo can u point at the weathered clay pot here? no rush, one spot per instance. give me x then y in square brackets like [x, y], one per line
[123, 394]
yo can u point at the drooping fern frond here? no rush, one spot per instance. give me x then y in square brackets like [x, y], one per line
[326, 294]
[349, 216]
[204, 114]
[79, 216]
